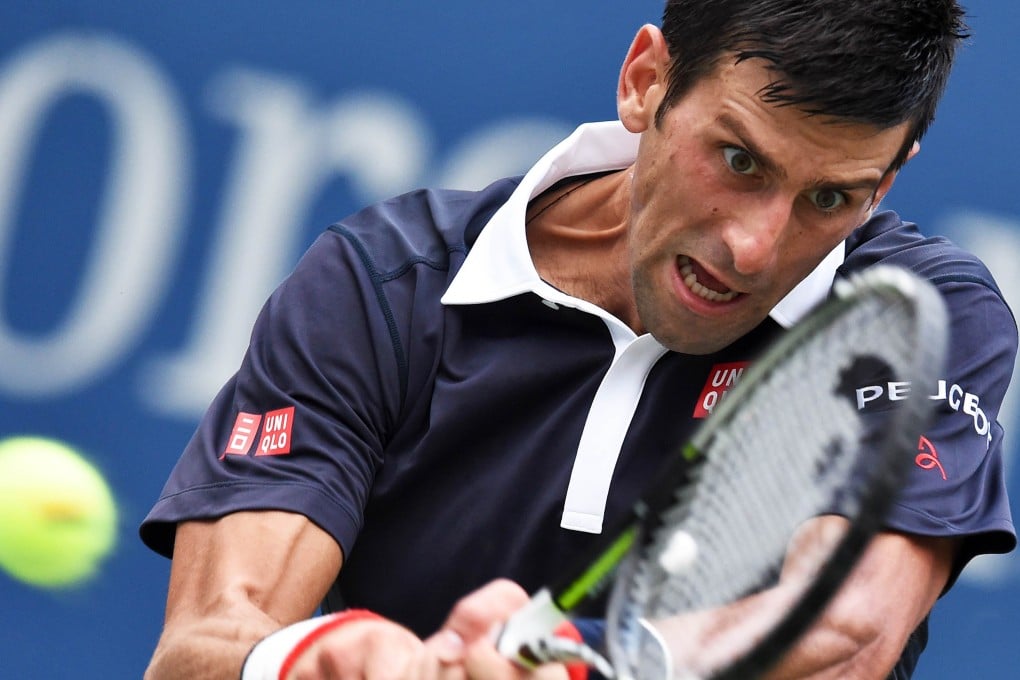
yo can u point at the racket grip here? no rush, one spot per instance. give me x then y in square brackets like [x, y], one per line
[541, 633]
[537, 619]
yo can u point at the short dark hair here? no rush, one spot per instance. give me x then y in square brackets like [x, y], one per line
[878, 62]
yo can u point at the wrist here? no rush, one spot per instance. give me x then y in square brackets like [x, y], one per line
[273, 656]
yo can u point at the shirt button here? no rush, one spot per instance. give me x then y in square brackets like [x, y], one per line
[550, 304]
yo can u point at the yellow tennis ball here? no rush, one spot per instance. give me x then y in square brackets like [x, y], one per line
[58, 519]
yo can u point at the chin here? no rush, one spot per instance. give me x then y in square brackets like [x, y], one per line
[685, 344]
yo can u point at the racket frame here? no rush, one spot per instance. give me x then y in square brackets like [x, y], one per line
[550, 606]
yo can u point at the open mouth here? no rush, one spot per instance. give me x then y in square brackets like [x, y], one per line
[701, 283]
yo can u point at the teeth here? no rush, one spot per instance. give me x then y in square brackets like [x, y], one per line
[691, 281]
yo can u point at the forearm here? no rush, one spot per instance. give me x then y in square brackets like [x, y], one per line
[209, 649]
[860, 635]
[233, 582]
[835, 647]
[864, 630]
[839, 653]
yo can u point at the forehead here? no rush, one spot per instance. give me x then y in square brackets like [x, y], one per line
[731, 100]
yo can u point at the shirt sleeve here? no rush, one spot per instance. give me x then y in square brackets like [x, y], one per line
[957, 486]
[302, 424]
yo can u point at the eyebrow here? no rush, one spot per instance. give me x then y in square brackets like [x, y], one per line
[738, 128]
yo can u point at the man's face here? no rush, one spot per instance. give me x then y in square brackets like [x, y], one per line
[734, 201]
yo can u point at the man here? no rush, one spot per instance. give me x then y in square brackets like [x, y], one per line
[427, 401]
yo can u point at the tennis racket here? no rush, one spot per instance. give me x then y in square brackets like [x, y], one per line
[702, 583]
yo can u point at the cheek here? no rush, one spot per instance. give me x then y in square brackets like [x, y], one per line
[649, 241]
[646, 176]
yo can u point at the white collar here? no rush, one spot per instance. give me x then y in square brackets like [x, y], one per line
[499, 264]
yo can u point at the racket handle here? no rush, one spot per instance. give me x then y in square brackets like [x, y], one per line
[536, 620]
[531, 637]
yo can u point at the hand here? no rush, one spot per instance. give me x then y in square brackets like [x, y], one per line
[472, 622]
[463, 649]
[375, 649]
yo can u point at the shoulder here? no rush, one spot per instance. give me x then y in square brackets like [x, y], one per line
[960, 275]
[888, 239]
[963, 492]
[425, 226]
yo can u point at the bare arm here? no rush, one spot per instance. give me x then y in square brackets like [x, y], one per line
[234, 581]
[863, 631]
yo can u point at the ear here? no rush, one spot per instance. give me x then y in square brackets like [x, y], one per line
[643, 79]
[886, 184]
[881, 190]
[914, 150]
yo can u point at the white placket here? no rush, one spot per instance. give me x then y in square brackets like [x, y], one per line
[607, 424]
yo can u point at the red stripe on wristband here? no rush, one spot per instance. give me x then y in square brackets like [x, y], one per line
[575, 671]
[334, 622]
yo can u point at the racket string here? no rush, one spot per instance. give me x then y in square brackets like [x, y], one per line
[754, 479]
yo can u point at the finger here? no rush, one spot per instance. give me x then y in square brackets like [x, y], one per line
[403, 662]
[447, 645]
[476, 614]
[482, 661]
[451, 671]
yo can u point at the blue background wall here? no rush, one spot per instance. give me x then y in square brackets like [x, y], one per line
[162, 166]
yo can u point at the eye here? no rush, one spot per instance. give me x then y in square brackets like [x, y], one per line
[740, 161]
[827, 200]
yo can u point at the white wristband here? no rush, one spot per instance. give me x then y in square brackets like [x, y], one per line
[267, 659]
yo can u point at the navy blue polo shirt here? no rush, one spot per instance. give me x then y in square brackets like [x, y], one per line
[450, 419]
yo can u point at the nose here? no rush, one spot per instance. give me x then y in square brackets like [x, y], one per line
[753, 232]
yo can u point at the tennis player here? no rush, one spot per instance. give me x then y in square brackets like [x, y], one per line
[456, 389]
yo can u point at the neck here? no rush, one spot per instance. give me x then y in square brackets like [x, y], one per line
[596, 202]
[577, 234]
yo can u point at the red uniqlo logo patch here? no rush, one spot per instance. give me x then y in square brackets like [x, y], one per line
[276, 432]
[241, 437]
[721, 379]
